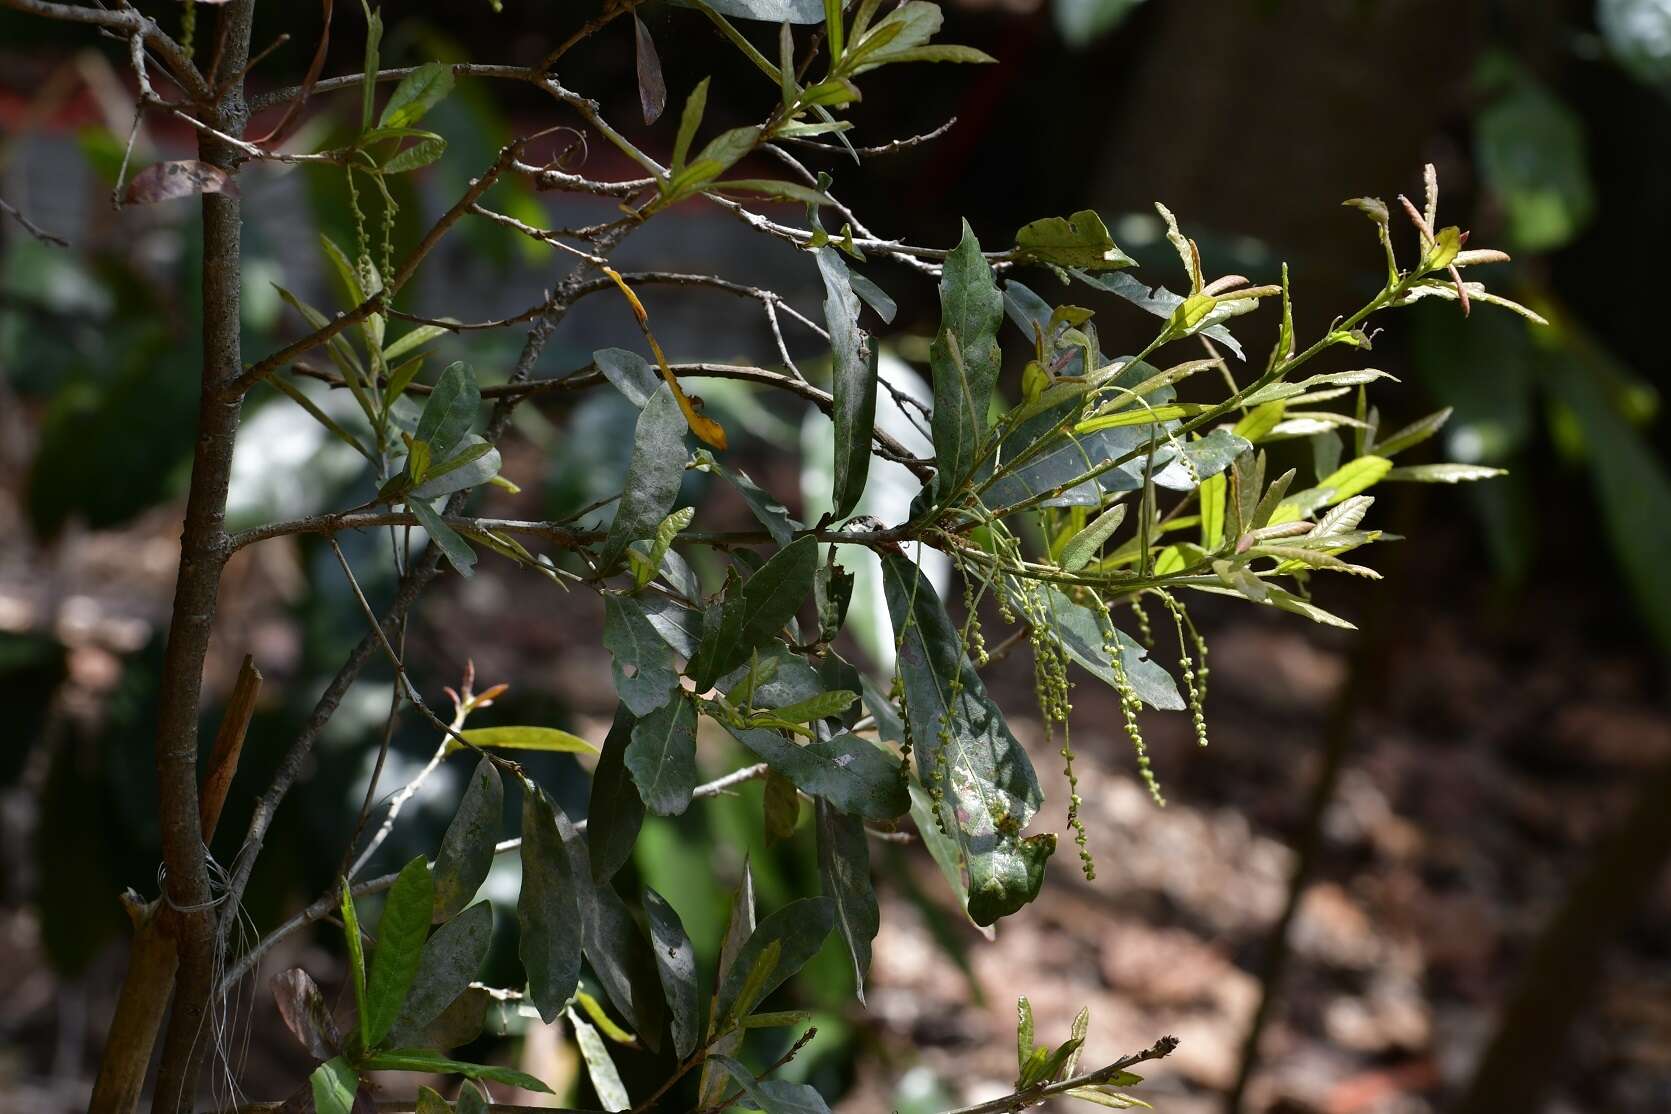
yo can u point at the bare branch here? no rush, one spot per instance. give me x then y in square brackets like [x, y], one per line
[31, 227]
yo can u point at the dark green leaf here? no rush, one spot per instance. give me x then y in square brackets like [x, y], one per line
[400, 944]
[766, 603]
[798, 930]
[689, 120]
[662, 757]
[456, 549]
[965, 359]
[451, 960]
[459, 1024]
[874, 297]
[676, 962]
[623, 958]
[466, 852]
[853, 381]
[767, 510]
[449, 410]
[653, 476]
[548, 909]
[739, 928]
[851, 773]
[844, 871]
[418, 1059]
[615, 811]
[774, 1096]
[636, 645]
[966, 750]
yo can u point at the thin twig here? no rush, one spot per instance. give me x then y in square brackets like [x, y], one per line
[31, 227]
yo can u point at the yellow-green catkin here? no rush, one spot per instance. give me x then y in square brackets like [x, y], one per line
[1194, 683]
[974, 639]
[1129, 704]
[188, 28]
[1145, 631]
[896, 693]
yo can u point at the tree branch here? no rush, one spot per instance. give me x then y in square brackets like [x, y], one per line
[1032, 1096]
[128, 21]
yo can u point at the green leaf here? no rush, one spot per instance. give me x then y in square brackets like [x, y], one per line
[333, 1084]
[646, 566]
[449, 410]
[431, 1102]
[418, 1059]
[635, 643]
[762, 608]
[1025, 1040]
[853, 382]
[1413, 434]
[850, 772]
[428, 149]
[689, 120]
[769, 187]
[631, 374]
[620, 954]
[419, 336]
[1081, 1027]
[456, 549]
[1156, 300]
[662, 757]
[356, 960]
[653, 476]
[964, 357]
[774, 1096]
[452, 958]
[965, 748]
[400, 943]
[548, 909]
[466, 853]
[416, 94]
[1085, 544]
[844, 874]
[1100, 1095]
[368, 84]
[767, 11]
[1441, 473]
[279, 383]
[473, 465]
[739, 928]
[529, 738]
[615, 811]
[797, 930]
[1081, 240]
[676, 962]
[767, 510]
[815, 708]
[606, 1079]
[942, 848]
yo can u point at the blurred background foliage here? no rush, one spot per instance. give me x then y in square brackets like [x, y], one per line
[1548, 120]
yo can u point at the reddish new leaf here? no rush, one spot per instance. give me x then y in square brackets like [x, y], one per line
[652, 90]
[180, 178]
[305, 1013]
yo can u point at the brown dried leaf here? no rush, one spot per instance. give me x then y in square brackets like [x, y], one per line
[179, 178]
[652, 90]
[305, 1013]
